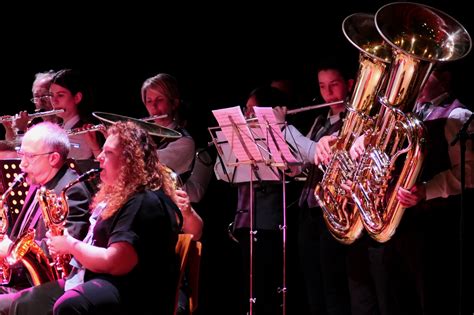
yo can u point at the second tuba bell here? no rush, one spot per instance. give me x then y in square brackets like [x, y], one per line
[421, 37]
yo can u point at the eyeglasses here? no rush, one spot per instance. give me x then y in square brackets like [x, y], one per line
[31, 156]
[41, 98]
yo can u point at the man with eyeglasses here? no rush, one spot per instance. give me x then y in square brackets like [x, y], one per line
[44, 150]
[15, 128]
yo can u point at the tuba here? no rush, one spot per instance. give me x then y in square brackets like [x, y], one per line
[55, 211]
[340, 215]
[420, 37]
[5, 274]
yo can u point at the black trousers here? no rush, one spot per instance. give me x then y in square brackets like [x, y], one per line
[8, 294]
[373, 277]
[96, 296]
[323, 265]
[429, 243]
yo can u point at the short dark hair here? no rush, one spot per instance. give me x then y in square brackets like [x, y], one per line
[69, 79]
[269, 96]
[344, 65]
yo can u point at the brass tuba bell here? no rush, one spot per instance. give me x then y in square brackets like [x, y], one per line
[420, 36]
[340, 215]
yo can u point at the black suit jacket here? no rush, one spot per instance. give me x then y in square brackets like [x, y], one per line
[79, 197]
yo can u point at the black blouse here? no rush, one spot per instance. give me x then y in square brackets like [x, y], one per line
[148, 222]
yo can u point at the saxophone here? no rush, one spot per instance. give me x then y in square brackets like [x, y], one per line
[340, 215]
[5, 274]
[33, 258]
[422, 37]
[55, 211]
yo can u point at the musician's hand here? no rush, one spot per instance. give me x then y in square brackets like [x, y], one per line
[182, 201]
[192, 222]
[347, 186]
[21, 121]
[358, 148]
[61, 244]
[8, 124]
[323, 152]
[5, 244]
[280, 114]
[410, 198]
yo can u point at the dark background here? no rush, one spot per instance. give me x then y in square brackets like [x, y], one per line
[218, 53]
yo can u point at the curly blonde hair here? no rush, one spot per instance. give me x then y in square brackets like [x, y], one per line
[140, 169]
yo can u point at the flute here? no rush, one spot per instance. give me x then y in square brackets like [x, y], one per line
[310, 107]
[34, 115]
[154, 117]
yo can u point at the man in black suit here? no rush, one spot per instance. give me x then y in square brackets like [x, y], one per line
[43, 154]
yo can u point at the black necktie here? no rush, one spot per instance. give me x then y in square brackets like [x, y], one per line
[30, 212]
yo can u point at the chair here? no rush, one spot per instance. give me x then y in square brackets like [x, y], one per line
[189, 252]
[194, 262]
[182, 251]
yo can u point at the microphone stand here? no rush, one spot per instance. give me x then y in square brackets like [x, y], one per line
[462, 136]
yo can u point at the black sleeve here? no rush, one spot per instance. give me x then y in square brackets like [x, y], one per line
[156, 219]
[122, 228]
[146, 220]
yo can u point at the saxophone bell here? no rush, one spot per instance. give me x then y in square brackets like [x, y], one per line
[5, 273]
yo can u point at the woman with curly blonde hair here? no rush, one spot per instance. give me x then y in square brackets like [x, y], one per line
[140, 169]
[135, 222]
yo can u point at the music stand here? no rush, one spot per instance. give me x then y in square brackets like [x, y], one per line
[260, 148]
[9, 170]
[463, 136]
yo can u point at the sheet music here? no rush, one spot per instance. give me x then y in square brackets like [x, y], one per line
[277, 144]
[235, 129]
[239, 173]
